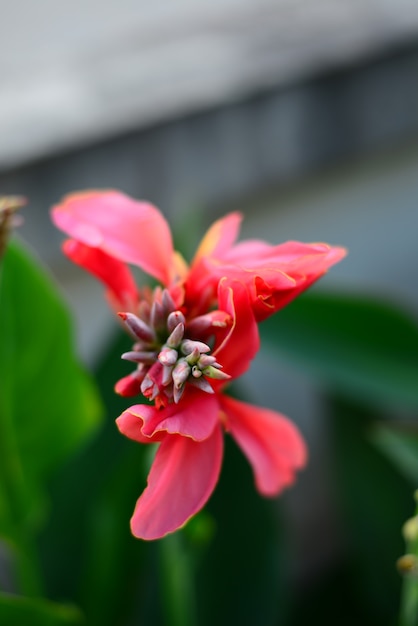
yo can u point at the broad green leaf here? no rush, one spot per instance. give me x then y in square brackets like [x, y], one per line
[92, 535]
[48, 406]
[355, 345]
[20, 611]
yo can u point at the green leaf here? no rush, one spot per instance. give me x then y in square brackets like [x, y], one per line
[356, 345]
[400, 445]
[54, 404]
[375, 500]
[48, 405]
[92, 535]
[18, 611]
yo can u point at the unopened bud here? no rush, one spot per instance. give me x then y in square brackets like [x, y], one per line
[168, 302]
[144, 311]
[205, 360]
[177, 393]
[167, 377]
[138, 328]
[410, 529]
[139, 357]
[174, 319]
[202, 323]
[407, 565]
[202, 384]
[193, 357]
[157, 317]
[215, 373]
[176, 336]
[188, 346]
[196, 372]
[168, 356]
[181, 373]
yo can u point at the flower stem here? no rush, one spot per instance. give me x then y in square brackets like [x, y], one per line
[177, 580]
[408, 567]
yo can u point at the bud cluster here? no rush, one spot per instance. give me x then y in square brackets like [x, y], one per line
[166, 356]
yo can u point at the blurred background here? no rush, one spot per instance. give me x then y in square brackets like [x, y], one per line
[302, 115]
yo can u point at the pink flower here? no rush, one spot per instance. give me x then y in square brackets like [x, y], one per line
[191, 337]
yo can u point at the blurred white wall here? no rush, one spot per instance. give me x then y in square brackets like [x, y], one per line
[86, 70]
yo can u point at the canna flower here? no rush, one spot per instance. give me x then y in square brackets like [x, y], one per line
[192, 335]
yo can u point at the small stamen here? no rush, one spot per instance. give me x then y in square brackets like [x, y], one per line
[196, 372]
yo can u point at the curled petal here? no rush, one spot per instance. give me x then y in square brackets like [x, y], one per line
[195, 417]
[182, 477]
[274, 275]
[131, 231]
[270, 441]
[130, 425]
[219, 238]
[242, 342]
[241, 252]
[304, 263]
[115, 274]
[290, 256]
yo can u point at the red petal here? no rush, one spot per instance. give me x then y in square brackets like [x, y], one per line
[242, 341]
[129, 385]
[182, 477]
[195, 416]
[130, 425]
[131, 231]
[113, 273]
[275, 275]
[220, 237]
[270, 441]
[292, 255]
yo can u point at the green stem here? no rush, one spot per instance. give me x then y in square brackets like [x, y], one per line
[408, 566]
[177, 580]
